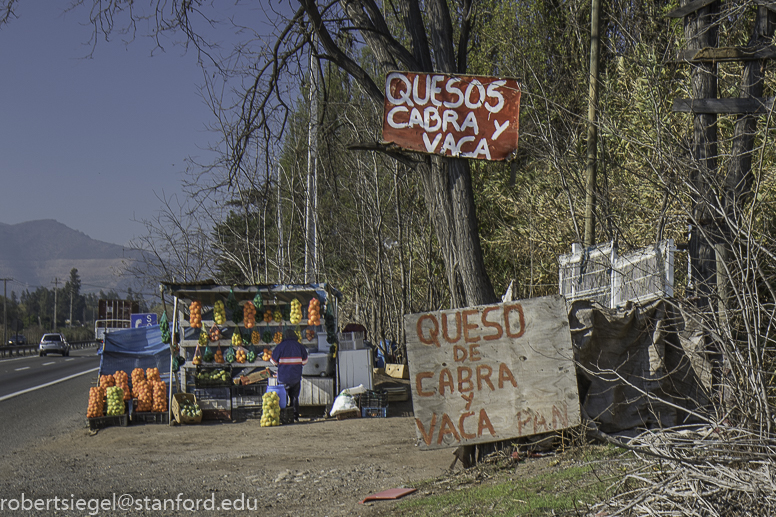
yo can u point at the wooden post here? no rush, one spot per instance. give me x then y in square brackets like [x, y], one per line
[701, 32]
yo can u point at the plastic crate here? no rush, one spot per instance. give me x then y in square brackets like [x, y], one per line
[246, 413]
[252, 412]
[216, 414]
[213, 398]
[101, 422]
[250, 389]
[203, 383]
[239, 400]
[373, 399]
[217, 404]
[374, 412]
[351, 340]
[150, 418]
[249, 395]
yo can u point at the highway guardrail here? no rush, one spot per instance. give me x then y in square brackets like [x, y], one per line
[22, 350]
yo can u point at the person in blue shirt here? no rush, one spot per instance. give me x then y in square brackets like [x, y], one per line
[290, 356]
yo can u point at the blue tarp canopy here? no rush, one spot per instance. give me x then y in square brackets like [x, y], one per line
[135, 348]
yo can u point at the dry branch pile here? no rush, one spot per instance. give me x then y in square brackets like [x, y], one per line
[713, 471]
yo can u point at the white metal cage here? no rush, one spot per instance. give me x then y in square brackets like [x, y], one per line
[599, 274]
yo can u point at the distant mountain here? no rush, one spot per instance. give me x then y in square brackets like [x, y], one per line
[36, 252]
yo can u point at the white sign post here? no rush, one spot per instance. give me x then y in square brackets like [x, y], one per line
[491, 373]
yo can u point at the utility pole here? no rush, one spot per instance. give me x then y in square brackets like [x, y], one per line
[56, 283]
[5, 301]
[311, 204]
[592, 129]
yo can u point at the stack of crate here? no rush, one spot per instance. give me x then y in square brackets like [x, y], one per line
[246, 400]
[216, 403]
[374, 404]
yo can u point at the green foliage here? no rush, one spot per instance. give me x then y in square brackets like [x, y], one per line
[563, 486]
[375, 238]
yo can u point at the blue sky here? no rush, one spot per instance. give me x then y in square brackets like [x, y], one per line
[92, 142]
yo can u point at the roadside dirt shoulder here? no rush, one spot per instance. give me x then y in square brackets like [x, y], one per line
[316, 467]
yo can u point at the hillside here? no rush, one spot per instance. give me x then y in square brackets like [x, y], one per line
[34, 253]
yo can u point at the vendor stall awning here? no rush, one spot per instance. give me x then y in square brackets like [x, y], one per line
[135, 348]
[137, 341]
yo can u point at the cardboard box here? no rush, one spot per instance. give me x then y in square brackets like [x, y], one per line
[255, 377]
[397, 371]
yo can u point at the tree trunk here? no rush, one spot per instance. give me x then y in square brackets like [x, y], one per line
[476, 283]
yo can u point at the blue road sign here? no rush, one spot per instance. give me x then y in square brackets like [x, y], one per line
[142, 320]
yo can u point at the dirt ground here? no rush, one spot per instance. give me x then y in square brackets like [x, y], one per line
[317, 467]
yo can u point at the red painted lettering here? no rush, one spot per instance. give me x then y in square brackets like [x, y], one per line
[483, 375]
[427, 436]
[521, 423]
[505, 374]
[461, 419]
[446, 428]
[484, 423]
[419, 383]
[445, 329]
[469, 326]
[539, 422]
[474, 352]
[521, 320]
[446, 379]
[560, 420]
[491, 324]
[433, 332]
[465, 379]
[459, 353]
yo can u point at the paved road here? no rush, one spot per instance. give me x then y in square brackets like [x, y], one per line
[36, 415]
[23, 373]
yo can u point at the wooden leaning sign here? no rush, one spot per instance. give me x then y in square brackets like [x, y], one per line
[491, 373]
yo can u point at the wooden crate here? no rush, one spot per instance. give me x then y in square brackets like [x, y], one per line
[178, 400]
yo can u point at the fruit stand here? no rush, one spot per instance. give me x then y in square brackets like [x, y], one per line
[229, 332]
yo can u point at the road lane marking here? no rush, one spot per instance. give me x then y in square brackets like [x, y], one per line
[11, 395]
[22, 368]
[66, 360]
[22, 358]
[46, 364]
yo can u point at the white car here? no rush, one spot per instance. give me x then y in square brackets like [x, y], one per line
[53, 343]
